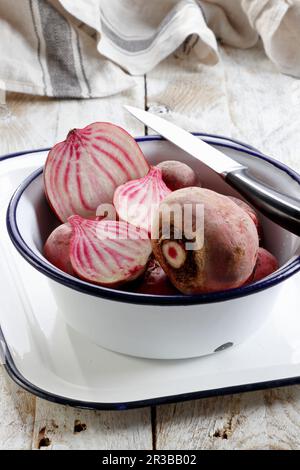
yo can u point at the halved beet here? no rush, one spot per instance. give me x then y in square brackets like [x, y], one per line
[137, 201]
[57, 248]
[108, 252]
[83, 171]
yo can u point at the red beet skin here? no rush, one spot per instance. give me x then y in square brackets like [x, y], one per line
[266, 264]
[57, 248]
[83, 171]
[177, 175]
[155, 281]
[108, 252]
[250, 211]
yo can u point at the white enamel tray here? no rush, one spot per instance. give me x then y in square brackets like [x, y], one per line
[45, 356]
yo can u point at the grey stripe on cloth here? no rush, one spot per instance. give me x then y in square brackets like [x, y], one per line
[59, 52]
[140, 45]
[38, 45]
[82, 65]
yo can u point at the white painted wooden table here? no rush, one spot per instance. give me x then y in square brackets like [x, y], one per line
[243, 97]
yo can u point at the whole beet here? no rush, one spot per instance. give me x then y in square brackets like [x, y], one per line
[252, 213]
[228, 254]
[266, 264]
[177, 175]
[246, 207]
[155, 281]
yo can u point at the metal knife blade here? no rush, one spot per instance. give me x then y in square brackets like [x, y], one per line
[280, 207]
[204, 152]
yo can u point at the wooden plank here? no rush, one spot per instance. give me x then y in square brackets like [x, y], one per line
[242, 97]
[193, 96]
[263, 104]
[59, 427]
[28, 122]
[246, 98]
[32, 122]
[17, 409]
[258, 420]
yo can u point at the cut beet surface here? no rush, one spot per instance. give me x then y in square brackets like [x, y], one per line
[108, 252]
[83, 171]
[137, 201]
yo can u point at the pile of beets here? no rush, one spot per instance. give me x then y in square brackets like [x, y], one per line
[108, 200]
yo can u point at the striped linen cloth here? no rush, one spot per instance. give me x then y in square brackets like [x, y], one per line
[93, 48]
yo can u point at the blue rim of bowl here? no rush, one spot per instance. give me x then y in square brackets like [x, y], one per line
[136, 298]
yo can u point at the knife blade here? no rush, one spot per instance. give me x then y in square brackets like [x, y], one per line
[199, 149]
[281, 208]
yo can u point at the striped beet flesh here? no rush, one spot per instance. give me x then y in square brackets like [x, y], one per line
[137, 201]
[83, 171]
[108, 252]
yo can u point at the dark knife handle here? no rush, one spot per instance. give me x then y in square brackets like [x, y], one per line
[282, 209]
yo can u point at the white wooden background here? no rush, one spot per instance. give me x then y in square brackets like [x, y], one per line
[242, 97]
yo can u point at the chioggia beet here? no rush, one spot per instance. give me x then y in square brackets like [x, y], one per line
[177, 175]
[108, 252]
[137, 201]
[155, 281]
[57, 248]
[83, 171]
[266, 264]
[225, 252]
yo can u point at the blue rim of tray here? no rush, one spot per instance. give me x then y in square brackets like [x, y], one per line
[19, 378]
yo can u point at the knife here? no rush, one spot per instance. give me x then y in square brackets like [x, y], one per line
[279, 207]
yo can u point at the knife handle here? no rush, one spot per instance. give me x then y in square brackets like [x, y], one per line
[282, 209]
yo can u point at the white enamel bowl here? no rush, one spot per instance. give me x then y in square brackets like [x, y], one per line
[152, 326]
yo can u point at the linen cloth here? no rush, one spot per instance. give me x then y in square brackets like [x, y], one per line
[93, 48]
